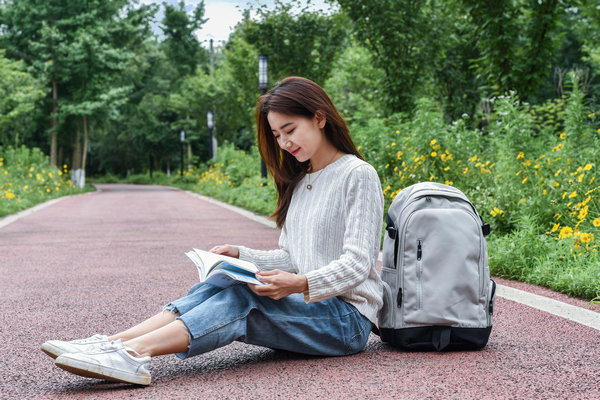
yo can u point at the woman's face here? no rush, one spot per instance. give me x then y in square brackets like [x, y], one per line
[300, 136]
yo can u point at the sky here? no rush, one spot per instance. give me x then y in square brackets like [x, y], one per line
[223, 15]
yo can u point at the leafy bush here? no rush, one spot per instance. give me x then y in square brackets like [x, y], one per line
[27, 178]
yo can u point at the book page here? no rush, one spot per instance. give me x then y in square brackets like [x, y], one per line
[211, 259]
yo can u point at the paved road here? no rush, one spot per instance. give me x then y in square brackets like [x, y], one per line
[99, 262]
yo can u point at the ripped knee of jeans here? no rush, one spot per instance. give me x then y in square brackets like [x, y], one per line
[172, 309]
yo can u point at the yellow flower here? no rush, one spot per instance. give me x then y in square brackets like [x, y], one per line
[473, 159]
[558, 172]
[432, 142]
[433, 154]
[524, 180]
[587, 237]
[496, 211]
[587, 167]
[573, 195]
[555, 227]
[580, 178]
[466, 170]
[583, 212]
[520, 155]
[596, 222]
[527, 163]
[565, 232]
[563, 135]
[397, 131]
[592, 115]
[449, 183]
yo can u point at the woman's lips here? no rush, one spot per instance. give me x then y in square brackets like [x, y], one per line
[294, 152]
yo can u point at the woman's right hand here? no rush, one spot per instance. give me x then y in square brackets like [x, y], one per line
[226, 250]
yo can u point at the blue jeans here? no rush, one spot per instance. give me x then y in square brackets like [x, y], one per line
[216, 317]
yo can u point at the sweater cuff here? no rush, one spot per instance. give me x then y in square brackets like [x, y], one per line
[312, 294]
[244, 253]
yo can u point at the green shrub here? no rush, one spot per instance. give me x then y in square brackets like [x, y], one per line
[27, 178]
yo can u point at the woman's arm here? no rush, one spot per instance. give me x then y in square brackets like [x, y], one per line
[267, 260]
[363, 204]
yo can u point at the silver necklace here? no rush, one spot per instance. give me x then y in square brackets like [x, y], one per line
[309, 186]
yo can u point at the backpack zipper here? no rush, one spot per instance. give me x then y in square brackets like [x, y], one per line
[419, 273]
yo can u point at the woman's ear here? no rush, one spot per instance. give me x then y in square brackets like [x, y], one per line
[320, 118]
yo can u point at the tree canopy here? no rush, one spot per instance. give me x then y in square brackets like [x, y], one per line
[95, 87]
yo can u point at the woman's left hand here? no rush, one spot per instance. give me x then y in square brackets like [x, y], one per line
[279, 284]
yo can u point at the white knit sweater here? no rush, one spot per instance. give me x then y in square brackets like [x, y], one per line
[332, 235]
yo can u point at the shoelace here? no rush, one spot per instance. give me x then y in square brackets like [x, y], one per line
[117, 345]
[94, 338]
[112, 345]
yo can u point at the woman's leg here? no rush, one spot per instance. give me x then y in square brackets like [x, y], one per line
[151, 324]
[197, 295]
[169, 339]
[331, 327]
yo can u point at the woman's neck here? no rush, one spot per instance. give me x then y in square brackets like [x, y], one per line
[325, 157]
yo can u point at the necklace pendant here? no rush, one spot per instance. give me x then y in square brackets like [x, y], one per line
[309, 186]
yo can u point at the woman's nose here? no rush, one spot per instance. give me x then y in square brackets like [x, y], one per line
[284, 142]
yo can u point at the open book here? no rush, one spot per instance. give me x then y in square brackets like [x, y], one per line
[223, 271]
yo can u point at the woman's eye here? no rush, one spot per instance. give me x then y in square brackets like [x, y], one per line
[291, 131]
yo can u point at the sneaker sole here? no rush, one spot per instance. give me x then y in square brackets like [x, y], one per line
[88, 370]
[51, 350]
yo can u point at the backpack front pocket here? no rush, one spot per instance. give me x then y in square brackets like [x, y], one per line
[440, 266]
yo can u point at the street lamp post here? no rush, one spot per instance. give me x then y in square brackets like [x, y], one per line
[182, 141]
[263, 84]
[210, 124]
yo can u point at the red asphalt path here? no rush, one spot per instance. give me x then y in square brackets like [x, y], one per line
[103, 261]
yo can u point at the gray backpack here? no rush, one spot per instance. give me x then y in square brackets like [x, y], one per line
[437, 289]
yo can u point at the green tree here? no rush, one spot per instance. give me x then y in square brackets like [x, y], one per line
[20, 92]
[402, 37]
[515, 40]
[184, 54]
[180, 44]
[305, 43]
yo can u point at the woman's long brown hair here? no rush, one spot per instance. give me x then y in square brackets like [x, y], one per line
[299, 97]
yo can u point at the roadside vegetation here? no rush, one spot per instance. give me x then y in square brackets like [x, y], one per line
[27, 179]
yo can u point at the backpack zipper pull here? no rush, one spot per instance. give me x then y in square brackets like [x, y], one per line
[419, 251]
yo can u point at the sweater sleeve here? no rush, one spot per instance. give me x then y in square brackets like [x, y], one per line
[270, 259]
[363, 203]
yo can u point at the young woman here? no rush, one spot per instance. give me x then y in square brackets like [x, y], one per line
[322, 290]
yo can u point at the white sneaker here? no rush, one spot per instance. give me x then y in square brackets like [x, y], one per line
[55, 348]
[109, 361]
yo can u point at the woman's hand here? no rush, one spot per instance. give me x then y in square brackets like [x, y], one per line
[226, 250]
[279, 284]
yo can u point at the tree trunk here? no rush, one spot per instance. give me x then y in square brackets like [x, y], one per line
[76, 161]
[53, 135]
[189, 155]
[85, 142]
[189, 148]
[77, 177]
